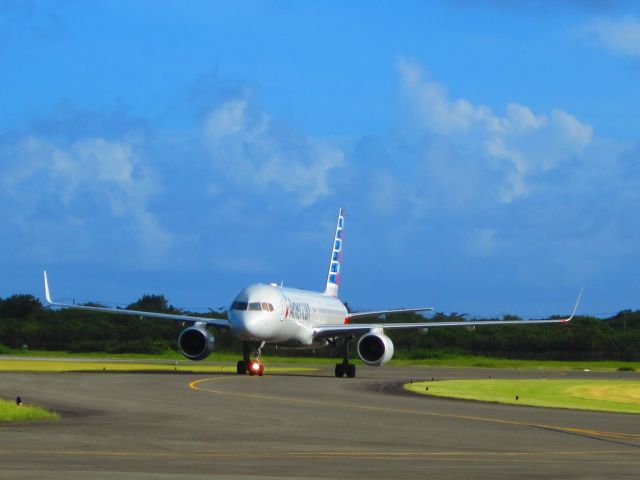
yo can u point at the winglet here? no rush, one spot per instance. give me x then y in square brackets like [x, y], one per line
[575, 308]
[47, 293]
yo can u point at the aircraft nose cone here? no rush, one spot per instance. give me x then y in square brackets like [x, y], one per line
[259, 327]
[253, 326]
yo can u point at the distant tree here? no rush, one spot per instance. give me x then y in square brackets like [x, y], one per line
[20, 306]
[153, 303]
[24, 321]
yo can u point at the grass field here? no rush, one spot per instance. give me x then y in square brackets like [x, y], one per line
[168, 355]
[466, 361]
[602, 395]
[463, 361]
[10, 412]
[79, 365]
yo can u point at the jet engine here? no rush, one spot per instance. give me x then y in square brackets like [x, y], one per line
[375, 349]
[196, 342]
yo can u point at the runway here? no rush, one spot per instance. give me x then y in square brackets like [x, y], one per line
[304, 426]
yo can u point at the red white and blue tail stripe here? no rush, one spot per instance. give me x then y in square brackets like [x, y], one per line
[333, 277]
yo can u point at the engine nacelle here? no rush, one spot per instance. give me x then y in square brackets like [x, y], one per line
[375, 349]
[196, 342]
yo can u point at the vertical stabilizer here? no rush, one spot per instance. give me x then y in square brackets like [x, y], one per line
[333, 277]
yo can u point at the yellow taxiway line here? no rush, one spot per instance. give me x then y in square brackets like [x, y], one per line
[196, 385]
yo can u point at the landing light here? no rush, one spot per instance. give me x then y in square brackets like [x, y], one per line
[255, 366]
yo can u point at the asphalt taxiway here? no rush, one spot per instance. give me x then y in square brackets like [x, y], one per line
[151, 425]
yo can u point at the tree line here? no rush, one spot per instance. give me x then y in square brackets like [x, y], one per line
[26, 323]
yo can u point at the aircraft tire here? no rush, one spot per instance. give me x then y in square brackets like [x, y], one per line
[350, 370]
[339, 370]
[241, 367]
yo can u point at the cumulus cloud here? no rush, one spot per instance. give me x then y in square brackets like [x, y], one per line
[43, 181]
[477, 185]
[508, 151]
[256, 151]
[621, 36]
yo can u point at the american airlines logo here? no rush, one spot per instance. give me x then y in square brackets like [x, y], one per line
[297, 310]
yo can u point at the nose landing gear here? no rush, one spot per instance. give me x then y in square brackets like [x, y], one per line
[247, 364]
[256, 367]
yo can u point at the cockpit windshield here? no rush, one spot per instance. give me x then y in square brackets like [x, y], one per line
[253, 306]
[239, 306]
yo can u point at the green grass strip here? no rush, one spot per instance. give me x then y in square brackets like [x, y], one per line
[477, 361]
[10, 412]
[601, 395]
[53, 365]
[445, 360]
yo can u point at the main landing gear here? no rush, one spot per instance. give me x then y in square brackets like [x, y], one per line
[252, 366]
[345, 368]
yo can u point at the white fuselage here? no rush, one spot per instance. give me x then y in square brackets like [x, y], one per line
[283, 316]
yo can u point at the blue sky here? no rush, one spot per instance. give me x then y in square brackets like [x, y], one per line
[487, 153]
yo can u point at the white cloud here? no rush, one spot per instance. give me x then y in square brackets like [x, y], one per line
[621, 36]
[77, 182]
[508, 151]
[225, 121]
[255, 151]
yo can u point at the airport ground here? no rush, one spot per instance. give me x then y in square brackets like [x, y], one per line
[304, 425]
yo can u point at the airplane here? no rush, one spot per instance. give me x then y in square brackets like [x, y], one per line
[262, 314]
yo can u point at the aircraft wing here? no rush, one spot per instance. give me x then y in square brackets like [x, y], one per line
[326, 331]
[377, 313]
[215, 322]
